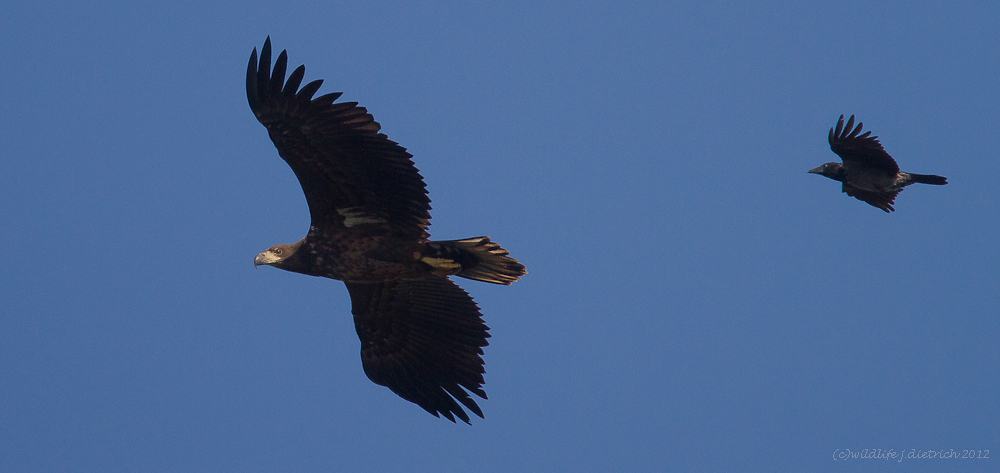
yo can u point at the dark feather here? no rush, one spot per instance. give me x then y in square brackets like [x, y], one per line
[293, 82]
[423, 340]
[336, 152]
[305, 94]
[882, 200]
[863, 150]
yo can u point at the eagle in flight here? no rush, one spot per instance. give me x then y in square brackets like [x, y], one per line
[868, 172]
[421, 335]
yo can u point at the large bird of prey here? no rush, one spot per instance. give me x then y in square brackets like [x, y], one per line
[421, 335]
[868, 172]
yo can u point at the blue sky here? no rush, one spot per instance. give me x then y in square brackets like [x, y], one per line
[695, 301]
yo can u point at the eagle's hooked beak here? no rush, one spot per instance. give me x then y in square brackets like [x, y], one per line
[259, 260]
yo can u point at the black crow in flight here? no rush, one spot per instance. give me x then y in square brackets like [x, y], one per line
[868, 172]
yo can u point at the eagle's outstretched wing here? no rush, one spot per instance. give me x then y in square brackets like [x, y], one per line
[350, 173]
[860, 150]
[423, 339]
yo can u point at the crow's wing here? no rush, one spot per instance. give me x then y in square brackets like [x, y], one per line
[860, 150]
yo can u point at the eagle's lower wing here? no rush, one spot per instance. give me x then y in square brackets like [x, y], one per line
[882, 200]
[350, 173]
[423, 339]
[863, 150]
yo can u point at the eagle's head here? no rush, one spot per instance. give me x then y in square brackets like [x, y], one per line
[276, 255]
[834, 171]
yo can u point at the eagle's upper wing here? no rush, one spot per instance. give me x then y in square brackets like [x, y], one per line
[350, 173]
[423, 339]
[862, 149]
[882, 200]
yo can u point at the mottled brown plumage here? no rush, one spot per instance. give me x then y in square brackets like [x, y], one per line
[868, 173]
[421, 335]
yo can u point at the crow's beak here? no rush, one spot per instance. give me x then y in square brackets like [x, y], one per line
[818, 170]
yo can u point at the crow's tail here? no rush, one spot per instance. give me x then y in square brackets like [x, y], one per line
[928, 179]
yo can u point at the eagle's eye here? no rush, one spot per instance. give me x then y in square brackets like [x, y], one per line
[277, 251]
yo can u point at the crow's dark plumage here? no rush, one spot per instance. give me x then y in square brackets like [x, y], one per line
[868, 172]
[421, 335]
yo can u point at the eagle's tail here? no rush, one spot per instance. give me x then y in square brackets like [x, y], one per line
[475, 258]
[928, 179]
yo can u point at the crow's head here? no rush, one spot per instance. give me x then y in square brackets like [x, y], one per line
[834, 171]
